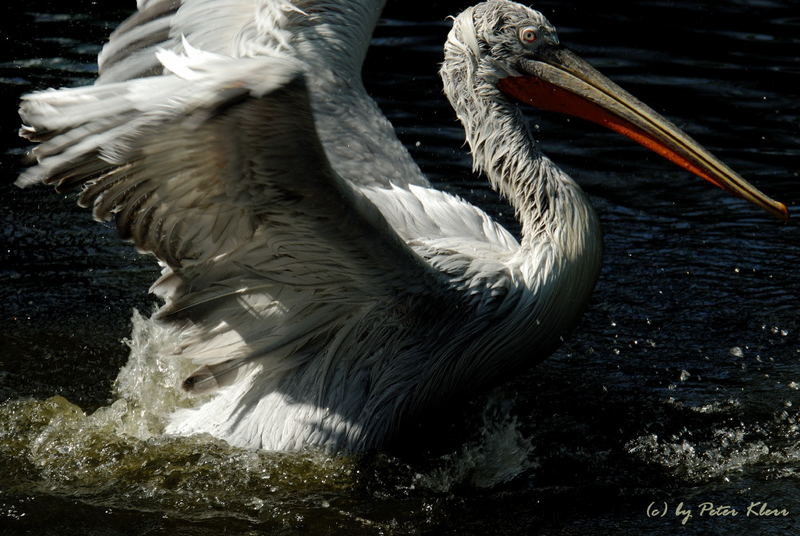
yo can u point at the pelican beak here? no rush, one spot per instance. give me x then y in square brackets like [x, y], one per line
[561, 81]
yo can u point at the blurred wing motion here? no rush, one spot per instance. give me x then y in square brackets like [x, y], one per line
[240, 28]
[330, 39]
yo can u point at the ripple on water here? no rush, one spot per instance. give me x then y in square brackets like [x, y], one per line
[726, 450]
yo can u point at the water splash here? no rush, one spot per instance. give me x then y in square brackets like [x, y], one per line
[724, 451]
[52, 445]
[117, 457]
[147, 387]
[500, 454]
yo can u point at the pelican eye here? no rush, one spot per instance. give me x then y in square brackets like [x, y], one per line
[527, 34]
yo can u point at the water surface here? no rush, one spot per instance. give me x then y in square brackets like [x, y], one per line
[680, 384]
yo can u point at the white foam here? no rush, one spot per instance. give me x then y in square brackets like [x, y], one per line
[148, 387]
[500, 454]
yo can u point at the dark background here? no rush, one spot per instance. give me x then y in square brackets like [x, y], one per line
[680, 384]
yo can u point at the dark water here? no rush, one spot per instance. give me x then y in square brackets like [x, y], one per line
[681, 384]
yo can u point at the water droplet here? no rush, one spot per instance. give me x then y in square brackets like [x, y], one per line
[685, 375]
[736, 352]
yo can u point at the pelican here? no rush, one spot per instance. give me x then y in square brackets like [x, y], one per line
[324, 292]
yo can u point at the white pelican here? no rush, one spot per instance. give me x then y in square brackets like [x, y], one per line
[326, 293]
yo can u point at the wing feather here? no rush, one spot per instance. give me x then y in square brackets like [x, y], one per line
[220, 173]
[329, 37]
[338, 31]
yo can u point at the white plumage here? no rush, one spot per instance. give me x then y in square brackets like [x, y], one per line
[326, 293]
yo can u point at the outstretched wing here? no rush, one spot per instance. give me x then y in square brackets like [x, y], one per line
[217, 170]
[338, 31]
[331, 39]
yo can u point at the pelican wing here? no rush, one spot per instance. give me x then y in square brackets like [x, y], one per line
[217, 170]
[330, 38]
[337, 31]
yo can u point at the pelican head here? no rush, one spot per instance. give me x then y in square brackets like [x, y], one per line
[507, 52]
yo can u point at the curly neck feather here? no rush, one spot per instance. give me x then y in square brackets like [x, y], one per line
[560, 253]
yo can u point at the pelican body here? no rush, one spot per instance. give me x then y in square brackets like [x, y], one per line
[324, 292]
